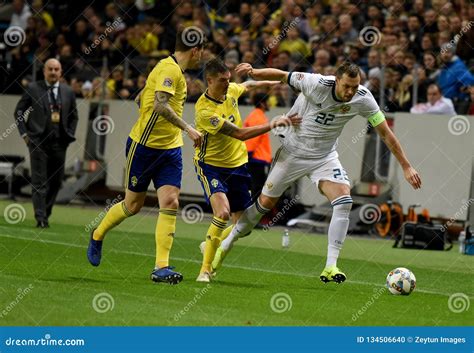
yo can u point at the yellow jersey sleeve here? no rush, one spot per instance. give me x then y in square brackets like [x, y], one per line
[236, 89]
[167, 79]
[208, 120]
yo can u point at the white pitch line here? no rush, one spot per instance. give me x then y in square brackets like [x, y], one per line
[239, 267]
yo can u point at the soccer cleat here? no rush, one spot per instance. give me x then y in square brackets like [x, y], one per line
[94, 250]
[204, 277]
[218, 259]
[167, 275]
[332, 274]
[202, 247]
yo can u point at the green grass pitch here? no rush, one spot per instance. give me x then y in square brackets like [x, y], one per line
[46, 279]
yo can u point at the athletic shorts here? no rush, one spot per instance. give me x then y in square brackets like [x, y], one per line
[146, 164]
[286, 169]
[234, 182]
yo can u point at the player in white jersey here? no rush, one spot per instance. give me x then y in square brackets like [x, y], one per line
[326, 104]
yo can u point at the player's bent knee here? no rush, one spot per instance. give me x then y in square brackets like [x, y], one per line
[133, 207]
[222, 214]
[170, 202]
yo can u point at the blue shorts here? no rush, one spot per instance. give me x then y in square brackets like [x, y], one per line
[144, 164]
[234, 182]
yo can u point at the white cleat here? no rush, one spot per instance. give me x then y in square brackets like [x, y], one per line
[204, 277]
[202, 247]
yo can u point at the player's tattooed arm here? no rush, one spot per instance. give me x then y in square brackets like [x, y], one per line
[162, 107]
[246, 133]
[262, 74]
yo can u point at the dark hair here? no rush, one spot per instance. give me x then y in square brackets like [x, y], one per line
[259, 99]
[348, 68]
[433, 84]
[215, 66]
[188, 38]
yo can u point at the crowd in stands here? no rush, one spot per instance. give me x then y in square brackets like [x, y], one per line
[108, 48]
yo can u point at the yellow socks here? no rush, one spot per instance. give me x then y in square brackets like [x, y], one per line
[226, 232]
[213, 240]
[115, 215]
[164, 235]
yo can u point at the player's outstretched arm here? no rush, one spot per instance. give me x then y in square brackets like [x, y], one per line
[246, 133]
[252, 85]
[262, 74]
[162, 107]
[389, 138]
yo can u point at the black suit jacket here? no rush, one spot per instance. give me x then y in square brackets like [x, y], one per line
[32, 111]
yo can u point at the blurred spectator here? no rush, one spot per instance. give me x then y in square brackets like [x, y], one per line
[373, 59]
[346, 30]
[298, 35]
[403, 94]
[294, 44]
[454, 76]
[430, 26]
[373, 83]
[39, 11]
[430, 64]
[437, 104]
[21, 13]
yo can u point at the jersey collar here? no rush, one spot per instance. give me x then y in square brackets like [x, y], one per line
[212, 99]
[333, 92]
[176, 61]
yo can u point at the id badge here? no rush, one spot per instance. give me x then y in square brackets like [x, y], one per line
[55, 116]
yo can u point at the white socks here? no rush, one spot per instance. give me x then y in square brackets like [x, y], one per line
[247, 221]
[341, 207]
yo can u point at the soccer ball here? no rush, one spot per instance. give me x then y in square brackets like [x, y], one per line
[401, 281]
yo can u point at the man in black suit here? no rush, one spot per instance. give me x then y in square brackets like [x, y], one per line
[46, 117]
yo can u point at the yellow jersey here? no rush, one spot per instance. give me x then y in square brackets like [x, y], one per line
[151, 129]
[220, 150]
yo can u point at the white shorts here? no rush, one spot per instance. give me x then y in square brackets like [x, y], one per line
[287, 169]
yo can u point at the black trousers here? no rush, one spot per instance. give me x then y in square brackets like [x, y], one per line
[258, 172]
[47, 172]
